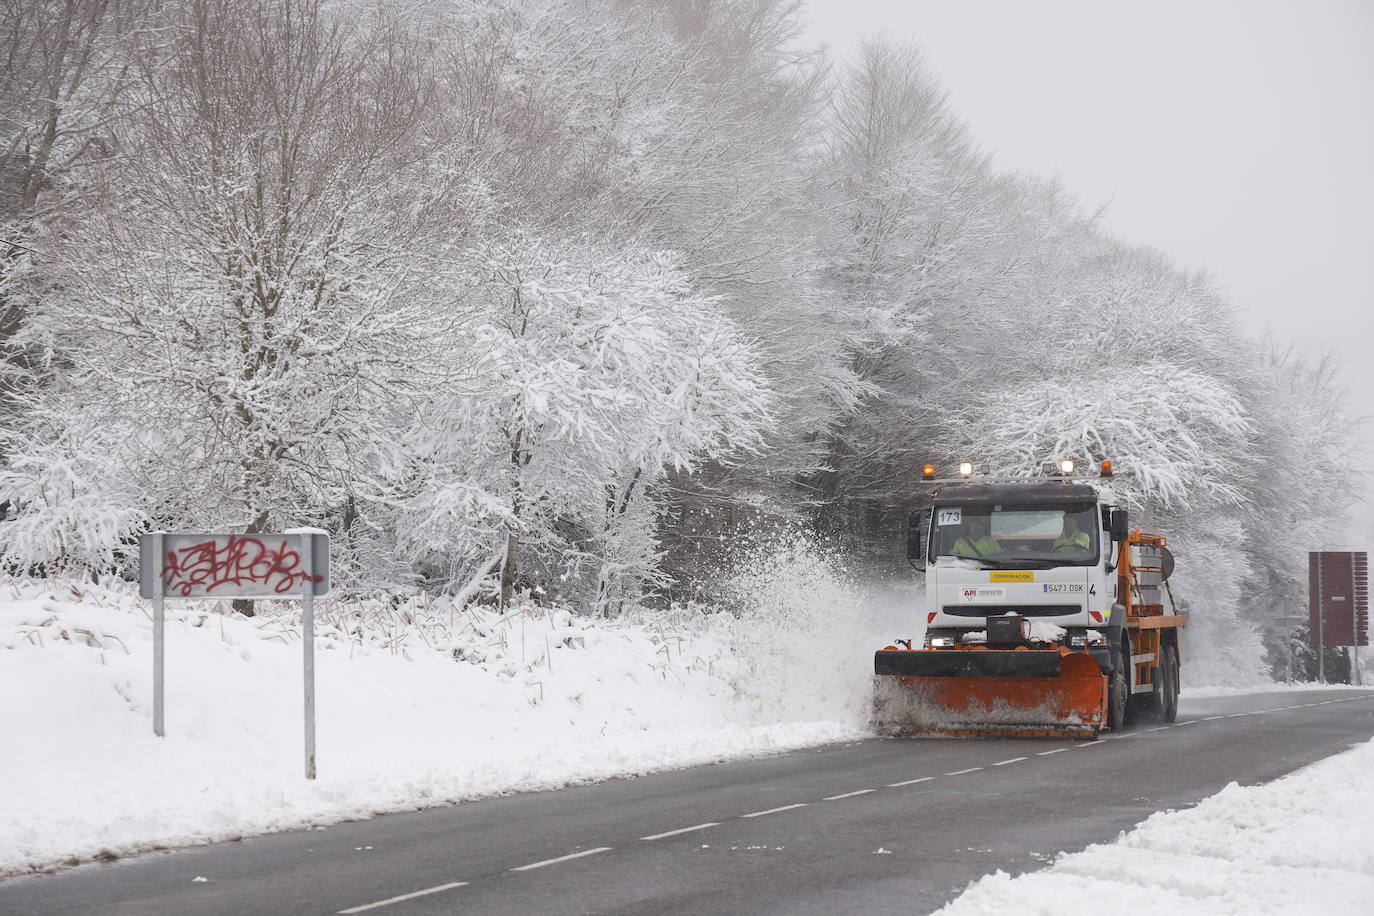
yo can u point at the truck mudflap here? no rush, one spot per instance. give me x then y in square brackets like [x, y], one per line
[978, 691]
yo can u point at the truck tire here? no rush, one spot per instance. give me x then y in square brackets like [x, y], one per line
[1118, 692]
[1154, 706]
[1169, 685]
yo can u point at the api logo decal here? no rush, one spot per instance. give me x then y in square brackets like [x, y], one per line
[974, 595]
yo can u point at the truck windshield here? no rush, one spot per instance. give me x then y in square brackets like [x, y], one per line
[1006, 535]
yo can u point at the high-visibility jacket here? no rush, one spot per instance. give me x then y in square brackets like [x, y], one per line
[979, 547]
[1078, 541]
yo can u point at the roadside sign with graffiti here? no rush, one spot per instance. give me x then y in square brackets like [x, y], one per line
[234, 565]
[291, 565]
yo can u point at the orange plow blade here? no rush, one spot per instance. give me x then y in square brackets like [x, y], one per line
[977, 691]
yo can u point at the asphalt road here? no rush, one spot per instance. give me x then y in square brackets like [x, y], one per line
[886, 825]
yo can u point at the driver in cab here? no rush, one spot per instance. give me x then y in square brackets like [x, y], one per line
[976, 542]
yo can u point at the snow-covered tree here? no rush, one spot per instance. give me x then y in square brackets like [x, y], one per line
[1175, 436]
[596, 372]
[246, 304]
[65, 81]
[1305, 472]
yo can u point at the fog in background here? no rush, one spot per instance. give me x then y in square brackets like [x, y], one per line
[1235, 135]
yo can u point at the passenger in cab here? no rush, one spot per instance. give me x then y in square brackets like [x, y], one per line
[1071, 539]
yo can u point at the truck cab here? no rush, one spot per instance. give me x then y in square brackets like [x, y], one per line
[1042, 550]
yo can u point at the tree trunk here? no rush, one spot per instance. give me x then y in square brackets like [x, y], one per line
[244, 606]
[508, 570]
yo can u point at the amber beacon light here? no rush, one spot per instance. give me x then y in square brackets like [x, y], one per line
[928, 472]
[1106, 467]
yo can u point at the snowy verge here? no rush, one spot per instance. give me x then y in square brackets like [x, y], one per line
[1301, 844]
[418, 705]
[1203, 693]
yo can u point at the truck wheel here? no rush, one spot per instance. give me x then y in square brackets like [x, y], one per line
[1168, 682]
[1154, 706]
[1118, 692]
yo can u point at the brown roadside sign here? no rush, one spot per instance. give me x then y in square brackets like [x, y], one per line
[1338, 602]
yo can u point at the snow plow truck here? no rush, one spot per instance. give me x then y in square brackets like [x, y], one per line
[1045, 613]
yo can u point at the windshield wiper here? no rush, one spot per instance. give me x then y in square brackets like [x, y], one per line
[956, 556]
[1022, 563]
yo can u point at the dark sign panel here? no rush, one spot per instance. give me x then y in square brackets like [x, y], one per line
[1338, 589]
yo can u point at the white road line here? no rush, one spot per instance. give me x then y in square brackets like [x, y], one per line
[1238, 715]
[910, 782]
[776, 810]
[1098, 742]
[962, 772]
[660, 836]
[411, 896]
[575, 855]
[1161, 728]
[1185, 722]
[1210, 718]
[1058, 750]
[1002, 763]
[848, 795]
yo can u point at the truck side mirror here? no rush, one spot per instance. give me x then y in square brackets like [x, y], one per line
[1120, 525]
[913, 536]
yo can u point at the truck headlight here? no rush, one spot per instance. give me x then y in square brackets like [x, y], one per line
[941, 642]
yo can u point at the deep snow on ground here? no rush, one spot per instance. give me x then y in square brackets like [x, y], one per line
[1301, 844]
[417, 705]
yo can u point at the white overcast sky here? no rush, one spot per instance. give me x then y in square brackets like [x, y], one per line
[1236, 135]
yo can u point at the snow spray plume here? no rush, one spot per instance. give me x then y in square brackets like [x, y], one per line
[805, 629]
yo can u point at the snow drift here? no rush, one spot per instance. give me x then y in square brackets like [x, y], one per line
[1275, 848]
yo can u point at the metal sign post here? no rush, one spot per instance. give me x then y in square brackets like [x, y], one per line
[308, 648]
[1355, 625]
[293, 564]
[159, 728]
[1321, 627]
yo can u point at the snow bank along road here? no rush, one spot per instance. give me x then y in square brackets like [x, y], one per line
[903, 825]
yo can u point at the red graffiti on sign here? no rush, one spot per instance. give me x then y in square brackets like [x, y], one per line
[236, 562]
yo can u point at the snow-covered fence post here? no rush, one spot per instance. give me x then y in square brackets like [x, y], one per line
[283, 566]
